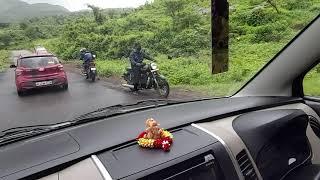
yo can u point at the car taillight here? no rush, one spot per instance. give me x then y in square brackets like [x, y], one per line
[19, 72]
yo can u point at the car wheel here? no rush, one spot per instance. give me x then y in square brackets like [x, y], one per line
[20, 93]
[65, 87]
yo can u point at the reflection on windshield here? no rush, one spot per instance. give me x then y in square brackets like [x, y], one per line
[152, 49]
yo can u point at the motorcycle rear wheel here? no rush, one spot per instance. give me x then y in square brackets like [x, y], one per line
[93, 78]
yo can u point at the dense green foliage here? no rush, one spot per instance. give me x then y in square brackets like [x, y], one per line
[311, 82]
[179, 29]
[27, 31]
[16, 10]
[4, 60]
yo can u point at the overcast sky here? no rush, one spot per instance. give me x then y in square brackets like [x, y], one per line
[75, 5]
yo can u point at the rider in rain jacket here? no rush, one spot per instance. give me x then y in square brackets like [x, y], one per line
[86, 56]
[136, 58]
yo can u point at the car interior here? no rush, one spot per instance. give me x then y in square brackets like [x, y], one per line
[268, 130]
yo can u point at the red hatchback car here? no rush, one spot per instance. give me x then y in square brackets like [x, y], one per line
[37, 71]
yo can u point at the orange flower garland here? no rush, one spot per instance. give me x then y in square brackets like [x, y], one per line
[161, 143]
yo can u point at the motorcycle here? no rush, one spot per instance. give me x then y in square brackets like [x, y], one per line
[149, 79]
[90, 72]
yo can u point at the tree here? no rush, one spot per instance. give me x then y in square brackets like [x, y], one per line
[112, 14]
[97, 12]
[187, 18]
[173, 6]
[4, 25]
[23, 25]
[273, 4]
[33, 32]
[5, 39]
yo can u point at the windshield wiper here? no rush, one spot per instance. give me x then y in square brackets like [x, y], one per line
[15, 134]
[109, 111]
[126, 108]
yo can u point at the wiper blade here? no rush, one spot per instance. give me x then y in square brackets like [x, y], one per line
[125, 108]
[119, 109]
[143, 103]
[30, 128]
[19, 133]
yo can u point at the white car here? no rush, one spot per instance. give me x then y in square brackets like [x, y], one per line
[40, 50]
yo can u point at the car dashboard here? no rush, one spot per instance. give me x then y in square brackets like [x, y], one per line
[195, 154]
[270, 141]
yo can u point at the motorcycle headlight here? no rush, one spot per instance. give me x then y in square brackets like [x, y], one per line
[154, 66]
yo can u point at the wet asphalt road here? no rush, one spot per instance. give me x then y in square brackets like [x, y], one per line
[52, 105]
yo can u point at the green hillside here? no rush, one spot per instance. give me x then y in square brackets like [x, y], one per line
[15, 10]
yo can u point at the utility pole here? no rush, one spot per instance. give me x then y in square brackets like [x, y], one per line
[220, 35]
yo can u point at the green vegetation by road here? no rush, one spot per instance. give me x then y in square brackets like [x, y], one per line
[311, 83]
[4, 60]
[311, 86]
[179, 29]
[193, 73]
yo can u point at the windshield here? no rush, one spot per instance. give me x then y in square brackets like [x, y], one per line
[40, 49]
[36, 62]
[125, 51]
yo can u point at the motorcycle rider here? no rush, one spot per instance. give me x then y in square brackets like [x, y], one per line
[136, 58]
[86, 56]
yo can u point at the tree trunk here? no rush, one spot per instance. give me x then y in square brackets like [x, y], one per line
[220, 36]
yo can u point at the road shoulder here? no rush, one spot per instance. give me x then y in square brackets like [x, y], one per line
[115, 83]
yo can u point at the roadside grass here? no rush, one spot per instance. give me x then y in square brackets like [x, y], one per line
[212, 90]
[194, 73]
[311, 85]
[111, 68]
[108, 68]
[4, 60]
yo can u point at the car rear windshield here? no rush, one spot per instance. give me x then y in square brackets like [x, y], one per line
[41, 49]
[36, 62]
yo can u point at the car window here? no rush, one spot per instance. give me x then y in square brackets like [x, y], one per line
[311, 82]
[40, 49]
[36, 62]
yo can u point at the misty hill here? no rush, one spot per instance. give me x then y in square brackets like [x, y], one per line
[16, 10]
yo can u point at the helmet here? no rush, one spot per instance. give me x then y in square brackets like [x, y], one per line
[83, 50]
[137, 46]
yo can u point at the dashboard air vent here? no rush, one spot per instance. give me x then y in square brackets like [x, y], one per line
[246, 166]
